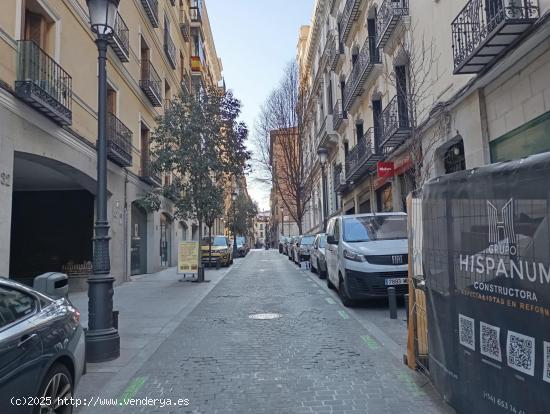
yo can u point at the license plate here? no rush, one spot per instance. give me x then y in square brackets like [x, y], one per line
[396, 281]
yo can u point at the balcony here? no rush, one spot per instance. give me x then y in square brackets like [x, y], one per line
[120, 40]
[148, 172]
[186, 84]
[367, 58]
[170, 49]
[326, 134]
[185, 26]
[363, 157]
[196, 65]
[339, 115]
[119, 141]
[486, 28]
[396, 127]
[195, 11]
[388, 17]
[43, 83]
[151, 8]
[336, 56]
[327, 52]
[150, 83]
[338, 179]
[348, 18]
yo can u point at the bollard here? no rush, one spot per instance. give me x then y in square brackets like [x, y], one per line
[406, 299]
[200, 274]
[392, 299]
[218, 265]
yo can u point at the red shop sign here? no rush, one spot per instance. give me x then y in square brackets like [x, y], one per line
[385, 169]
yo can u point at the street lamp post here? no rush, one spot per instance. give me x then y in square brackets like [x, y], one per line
[102, 339]
[323, 156]
[234, 198]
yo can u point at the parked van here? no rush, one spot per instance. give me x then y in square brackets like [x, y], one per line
[366, 254]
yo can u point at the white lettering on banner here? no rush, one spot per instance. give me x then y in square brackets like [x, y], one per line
[506, 291]
[510, 268]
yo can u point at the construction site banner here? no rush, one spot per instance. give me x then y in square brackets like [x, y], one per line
[486, 257]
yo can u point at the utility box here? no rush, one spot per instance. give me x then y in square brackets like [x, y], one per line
[54, 285]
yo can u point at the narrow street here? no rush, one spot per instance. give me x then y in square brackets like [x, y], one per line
[316, 358]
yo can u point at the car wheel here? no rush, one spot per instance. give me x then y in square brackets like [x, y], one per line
[311, 268]
[330, 285]
[57, 385]
[320, 272]
[342, 292]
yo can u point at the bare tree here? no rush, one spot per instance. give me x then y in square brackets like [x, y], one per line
[428, 123]
[279, 155]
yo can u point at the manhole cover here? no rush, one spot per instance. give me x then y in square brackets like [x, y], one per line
[266, 316]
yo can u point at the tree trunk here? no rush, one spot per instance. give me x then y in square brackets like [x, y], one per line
[209, 246]
[200, 270]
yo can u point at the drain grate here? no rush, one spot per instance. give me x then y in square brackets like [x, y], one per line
[265, 316]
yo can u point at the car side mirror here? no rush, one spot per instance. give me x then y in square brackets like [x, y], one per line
[331, 240]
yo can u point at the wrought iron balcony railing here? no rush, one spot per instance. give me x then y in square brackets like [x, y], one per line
[367, 58]
[151, 8]
[150, 83]
[119, 141]
[389, 14]
[339, 115]
[170, 49]
[484, 29]
[348, 18]
[338, 178]
[185, 27]
[363, 156]
[336, 55]
[396, 126]
[148, 171]
[120, 40]
[195, 11]
[326, 131]
[327, 52]
[43, 83]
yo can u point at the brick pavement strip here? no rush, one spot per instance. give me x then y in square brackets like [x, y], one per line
[311, 360]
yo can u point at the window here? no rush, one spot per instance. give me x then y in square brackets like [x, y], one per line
[454, 158]
[111, 100]
[14, 306]
[38, 26]
[337, 229]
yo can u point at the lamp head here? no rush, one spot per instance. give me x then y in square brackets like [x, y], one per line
[103, 15]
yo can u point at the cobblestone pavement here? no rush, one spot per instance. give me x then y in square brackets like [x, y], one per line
[316, 358]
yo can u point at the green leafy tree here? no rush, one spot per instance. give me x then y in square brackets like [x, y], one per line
[213, 210]
[199, 141]
[245, 211]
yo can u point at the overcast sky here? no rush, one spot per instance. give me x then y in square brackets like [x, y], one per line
[255, 40]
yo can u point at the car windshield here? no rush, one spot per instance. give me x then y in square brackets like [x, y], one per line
[240, 241]
[217, 241]
[307, 240]
[362, 229]
[322, 241]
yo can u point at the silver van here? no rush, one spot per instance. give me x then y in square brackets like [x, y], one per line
[366, 254]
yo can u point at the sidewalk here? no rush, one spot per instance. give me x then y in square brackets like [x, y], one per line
[151, 307]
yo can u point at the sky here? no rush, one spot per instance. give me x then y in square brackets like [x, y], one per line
[255, 40]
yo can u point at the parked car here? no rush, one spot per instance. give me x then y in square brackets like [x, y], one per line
[242, 246]
[42, 349]
[366, 254]
[222, 251]
[302, 248]
[317, 259]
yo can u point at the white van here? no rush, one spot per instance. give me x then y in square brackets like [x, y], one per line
[366, 254]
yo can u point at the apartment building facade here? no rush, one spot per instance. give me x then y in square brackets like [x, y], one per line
[48, 114]
[427, 88]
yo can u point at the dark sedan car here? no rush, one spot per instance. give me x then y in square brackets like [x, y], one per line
[42, 351]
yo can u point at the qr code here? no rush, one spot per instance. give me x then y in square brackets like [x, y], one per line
[466, 332]
[546, 372]
[489, 341]
[521, 352]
